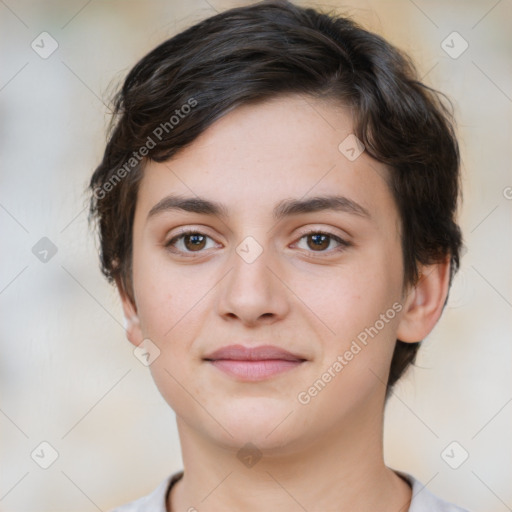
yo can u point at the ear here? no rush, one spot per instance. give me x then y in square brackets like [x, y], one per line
[424, 302]
[132, 323]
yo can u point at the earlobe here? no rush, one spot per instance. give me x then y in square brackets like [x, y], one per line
[133, 330]
[131, 319]
[424, 302]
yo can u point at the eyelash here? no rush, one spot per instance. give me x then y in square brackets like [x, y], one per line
[343, 244]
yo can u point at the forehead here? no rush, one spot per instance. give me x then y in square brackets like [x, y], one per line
[257, 155]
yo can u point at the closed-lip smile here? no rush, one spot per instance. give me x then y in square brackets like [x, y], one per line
[252, 364]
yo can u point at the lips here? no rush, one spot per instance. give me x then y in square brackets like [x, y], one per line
[260, 353]
[251, 364]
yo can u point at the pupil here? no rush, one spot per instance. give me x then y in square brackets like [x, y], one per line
[196, 240]
[319, 241]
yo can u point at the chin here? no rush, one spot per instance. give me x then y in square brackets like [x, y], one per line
[266, 423]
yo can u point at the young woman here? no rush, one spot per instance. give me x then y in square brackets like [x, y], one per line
[276, 206]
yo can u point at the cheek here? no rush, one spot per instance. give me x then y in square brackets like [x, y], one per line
[165, 295]
[355, 362]
[361, 306]
[354, 296]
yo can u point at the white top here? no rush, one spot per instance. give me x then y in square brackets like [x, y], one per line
[422, 499]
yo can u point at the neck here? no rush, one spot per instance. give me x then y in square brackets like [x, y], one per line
[340, 467]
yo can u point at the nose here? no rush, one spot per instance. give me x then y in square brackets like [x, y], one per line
[253, 292]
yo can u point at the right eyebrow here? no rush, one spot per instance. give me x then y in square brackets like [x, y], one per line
[189, 204]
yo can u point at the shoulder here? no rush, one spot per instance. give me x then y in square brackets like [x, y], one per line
[155, 500]
[424, 501]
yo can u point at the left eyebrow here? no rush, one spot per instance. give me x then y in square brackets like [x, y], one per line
[315, 204]
[284, 208]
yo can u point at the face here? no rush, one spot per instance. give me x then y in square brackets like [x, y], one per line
[320, 279]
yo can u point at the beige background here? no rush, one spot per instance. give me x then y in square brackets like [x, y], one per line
[67, 374]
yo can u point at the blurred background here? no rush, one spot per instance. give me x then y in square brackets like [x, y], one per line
[68, 376]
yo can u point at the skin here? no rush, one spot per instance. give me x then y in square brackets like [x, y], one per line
[327, 454]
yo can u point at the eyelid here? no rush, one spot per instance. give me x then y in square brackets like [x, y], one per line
[189, 229]
[321, 230]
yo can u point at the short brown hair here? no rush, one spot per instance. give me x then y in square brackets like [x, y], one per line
[249, 54]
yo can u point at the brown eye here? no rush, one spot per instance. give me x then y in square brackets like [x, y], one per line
[188, 242]
[194, 242]
[318, 241]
